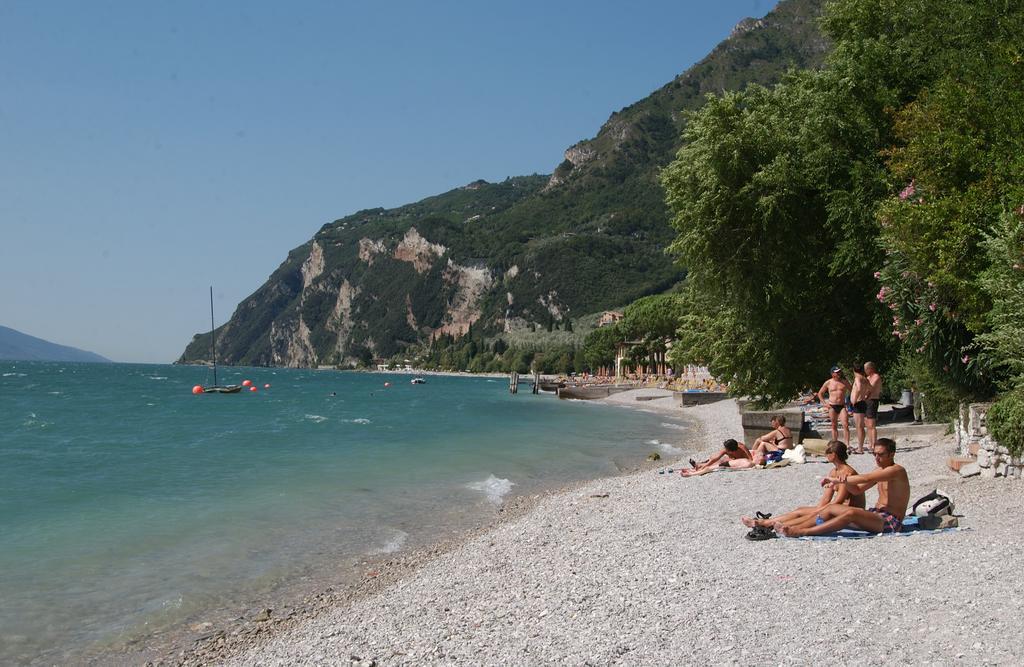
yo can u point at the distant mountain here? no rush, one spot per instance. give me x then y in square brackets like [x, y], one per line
[16, 346]
[508, 256]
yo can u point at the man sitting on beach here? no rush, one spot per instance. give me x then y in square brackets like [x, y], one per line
[804, 517]
[837, 387]
[735, 455]
[887, 514]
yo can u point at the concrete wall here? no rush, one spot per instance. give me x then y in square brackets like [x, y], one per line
[592, 392]
[756, 423]
[687, 398]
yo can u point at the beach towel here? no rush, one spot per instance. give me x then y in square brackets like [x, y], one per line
[796, 455]
[910, 527]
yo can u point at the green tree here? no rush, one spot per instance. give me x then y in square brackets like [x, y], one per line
[766, 195]
[599, 347]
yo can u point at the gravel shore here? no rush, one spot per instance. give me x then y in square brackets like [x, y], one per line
[653, 569]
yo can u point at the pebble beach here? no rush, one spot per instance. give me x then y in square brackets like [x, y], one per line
[650, 568]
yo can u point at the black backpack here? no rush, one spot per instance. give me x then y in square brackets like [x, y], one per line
[936, 503]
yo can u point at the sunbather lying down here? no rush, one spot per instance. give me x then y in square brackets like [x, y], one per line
[805, 517]
[732, 455]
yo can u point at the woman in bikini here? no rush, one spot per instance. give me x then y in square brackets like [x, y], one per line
[805, 517]
[769, 447]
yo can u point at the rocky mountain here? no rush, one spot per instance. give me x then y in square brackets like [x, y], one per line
[17, 346]
[500, 256]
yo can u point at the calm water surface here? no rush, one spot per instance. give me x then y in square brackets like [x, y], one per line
[128, 505]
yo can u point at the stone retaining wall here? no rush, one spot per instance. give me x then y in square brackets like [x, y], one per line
[973, 440]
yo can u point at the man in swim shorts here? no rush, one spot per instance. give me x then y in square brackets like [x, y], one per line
[887, 514]
[836, 387]
[874, 396]
[732, 455]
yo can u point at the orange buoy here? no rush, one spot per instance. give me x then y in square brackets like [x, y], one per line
[198, 389]
[246, 383]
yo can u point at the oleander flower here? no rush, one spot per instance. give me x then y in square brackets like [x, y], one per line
[908, 191]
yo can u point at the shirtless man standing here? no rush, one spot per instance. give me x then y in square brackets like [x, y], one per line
[859, 399]
[837, 387]
[887, 514]
[874, 394]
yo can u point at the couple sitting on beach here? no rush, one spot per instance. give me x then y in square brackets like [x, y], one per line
[842, 505]
[766, 449]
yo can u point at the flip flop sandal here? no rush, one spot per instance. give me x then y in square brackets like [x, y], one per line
[763, 516]
[693, 463]
[761, 533]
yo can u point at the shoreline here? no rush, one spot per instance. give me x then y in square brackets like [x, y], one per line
[634, 567]
[198, 642]
[653, 569]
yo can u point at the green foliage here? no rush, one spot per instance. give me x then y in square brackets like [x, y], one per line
[919, 99]
[958, 159]
[1004, 283]
[1005, 420]
[762, 196]
[599, 347]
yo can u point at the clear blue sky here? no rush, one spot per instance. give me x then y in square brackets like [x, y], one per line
[151, 149]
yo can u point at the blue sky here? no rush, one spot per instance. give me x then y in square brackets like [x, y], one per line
[151, 149]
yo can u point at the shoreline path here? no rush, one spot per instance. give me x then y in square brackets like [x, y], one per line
[652, 569]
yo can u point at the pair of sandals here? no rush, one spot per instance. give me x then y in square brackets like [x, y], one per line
[759, 533]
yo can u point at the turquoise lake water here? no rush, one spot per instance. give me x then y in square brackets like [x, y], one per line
[129, 506]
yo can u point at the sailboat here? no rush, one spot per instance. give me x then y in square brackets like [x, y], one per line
[216, 388]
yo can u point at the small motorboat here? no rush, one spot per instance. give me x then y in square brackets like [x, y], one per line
[418, 381]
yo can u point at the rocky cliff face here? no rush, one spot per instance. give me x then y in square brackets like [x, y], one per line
[497, 256]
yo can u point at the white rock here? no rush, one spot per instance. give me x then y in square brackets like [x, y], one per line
[970, 470]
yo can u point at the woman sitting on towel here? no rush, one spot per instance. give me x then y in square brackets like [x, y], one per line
[836, 453]
[733, 455]
[769, 447]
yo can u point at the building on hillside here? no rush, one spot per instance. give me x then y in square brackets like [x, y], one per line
[608, 317]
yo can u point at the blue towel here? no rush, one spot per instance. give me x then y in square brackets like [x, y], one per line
[910, 527]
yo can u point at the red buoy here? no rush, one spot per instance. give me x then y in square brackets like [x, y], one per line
[253, 388]
[387, 384]
[246, 383]
[198, 389]
[266, 386]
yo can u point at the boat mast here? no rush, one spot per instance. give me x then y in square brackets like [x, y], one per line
[213, 336]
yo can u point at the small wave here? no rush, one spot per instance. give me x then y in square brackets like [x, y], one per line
[173, 603]
[156, 377]
[360, 420]
[392, 543]
[17, 375]
[55, 393]
[493, 487]
[316, 419]
[669, 449]
[677, 427]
